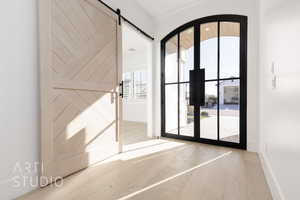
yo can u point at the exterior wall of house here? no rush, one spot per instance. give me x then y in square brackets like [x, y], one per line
[229, 92]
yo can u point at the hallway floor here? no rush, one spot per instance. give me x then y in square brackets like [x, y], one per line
[134, 132]
[167, 170]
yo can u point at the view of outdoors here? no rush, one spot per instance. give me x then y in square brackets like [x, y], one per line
[177, 91]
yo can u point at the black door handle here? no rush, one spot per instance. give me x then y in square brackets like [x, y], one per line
[197, 87]
[121, 93]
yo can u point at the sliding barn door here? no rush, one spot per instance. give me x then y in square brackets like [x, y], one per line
[80, 53]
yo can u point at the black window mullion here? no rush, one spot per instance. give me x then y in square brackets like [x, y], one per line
[178, 80]
[163, 88]
[222, 79]
[176, 83]
[243, 83]
[218, 86]
[197, 66]
[197, 46]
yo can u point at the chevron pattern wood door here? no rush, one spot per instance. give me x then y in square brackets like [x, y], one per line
[80, 49]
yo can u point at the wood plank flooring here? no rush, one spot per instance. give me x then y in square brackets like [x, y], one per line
[134, 132]
[167, 170]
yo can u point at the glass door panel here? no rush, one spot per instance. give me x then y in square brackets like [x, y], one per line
[186, 54]
[186, 115]
[171, 108]
[209, 112]
[186, 112]
[229, 89]
[230, 111]
[220, 57]
[209, 50]
[229, 50]
[171, 60]
[209, 61]
[171, 87]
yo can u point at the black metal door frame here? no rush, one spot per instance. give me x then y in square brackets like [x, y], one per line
[243, 20]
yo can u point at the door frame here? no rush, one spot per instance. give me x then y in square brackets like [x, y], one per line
[243, 20]
[149, 72]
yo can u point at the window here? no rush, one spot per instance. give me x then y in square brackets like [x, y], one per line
[135, 85]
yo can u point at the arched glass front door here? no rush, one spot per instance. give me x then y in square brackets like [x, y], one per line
[206, 58]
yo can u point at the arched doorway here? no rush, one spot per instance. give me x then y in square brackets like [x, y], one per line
[206, 58]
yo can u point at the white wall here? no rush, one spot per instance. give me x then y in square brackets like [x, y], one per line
[135, 111]
[279, 108]
[19, 102]
[250, 8]
[135, 61]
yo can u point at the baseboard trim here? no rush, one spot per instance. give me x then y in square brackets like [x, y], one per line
[271, 179]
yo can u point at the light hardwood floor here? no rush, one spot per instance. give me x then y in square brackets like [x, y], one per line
[134, 132]
[167, 170]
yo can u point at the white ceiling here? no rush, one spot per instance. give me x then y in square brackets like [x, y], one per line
[157, 8]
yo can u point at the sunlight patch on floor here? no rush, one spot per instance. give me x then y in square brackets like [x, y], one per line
[143, 149]
[148, 148]
[144, 144]
[175, 176]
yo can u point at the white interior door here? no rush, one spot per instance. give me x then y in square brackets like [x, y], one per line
[80, 54]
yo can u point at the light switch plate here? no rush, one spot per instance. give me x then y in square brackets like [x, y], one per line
[274, 82]
[273, 68]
